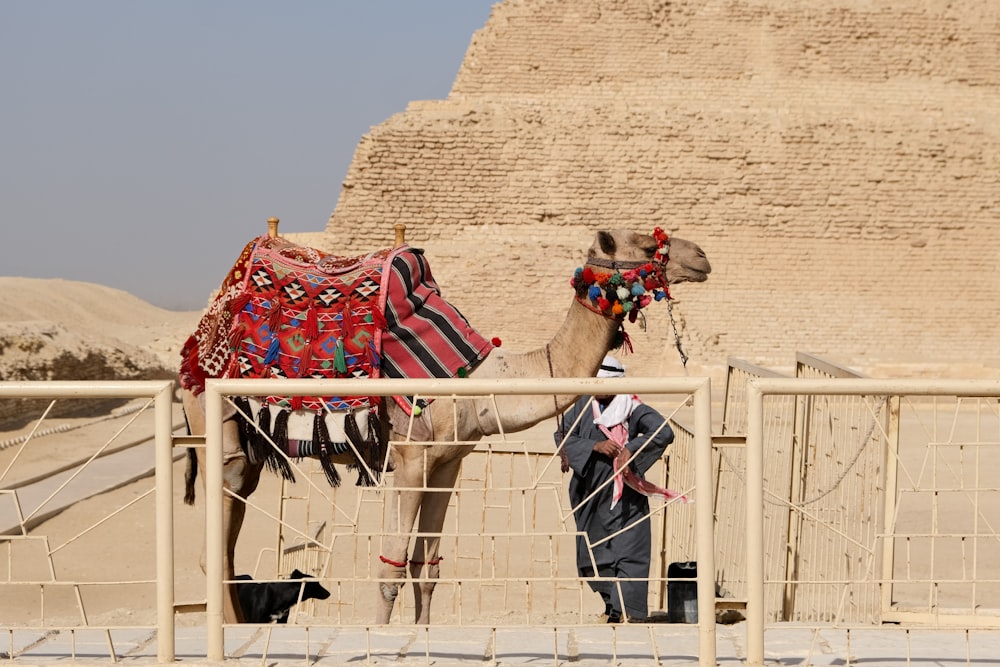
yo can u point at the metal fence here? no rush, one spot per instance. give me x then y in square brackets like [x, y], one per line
[844, 502]
[930, 545]
[509, 538]
[39, 572]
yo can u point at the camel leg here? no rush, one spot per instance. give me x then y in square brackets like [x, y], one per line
[241, 478]
[428, 543]
[401, 515]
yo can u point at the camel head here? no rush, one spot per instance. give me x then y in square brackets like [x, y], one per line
[685, 261]
[625, 271]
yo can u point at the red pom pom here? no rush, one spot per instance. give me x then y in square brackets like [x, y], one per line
[588, 275]
[603, 303]
[496, 341]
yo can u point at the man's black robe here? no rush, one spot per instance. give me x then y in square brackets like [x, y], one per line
[627, 555]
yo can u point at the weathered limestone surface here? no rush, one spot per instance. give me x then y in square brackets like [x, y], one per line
[838, 160]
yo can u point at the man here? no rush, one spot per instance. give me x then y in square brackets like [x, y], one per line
[601, 429]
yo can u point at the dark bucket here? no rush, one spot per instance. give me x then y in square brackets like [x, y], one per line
[682, 592]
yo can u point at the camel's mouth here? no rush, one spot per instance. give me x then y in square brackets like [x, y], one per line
[691, 276]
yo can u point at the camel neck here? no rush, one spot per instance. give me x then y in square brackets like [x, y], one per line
[581, 342]
[576, 350]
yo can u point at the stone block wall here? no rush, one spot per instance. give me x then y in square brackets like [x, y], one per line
[838, 160]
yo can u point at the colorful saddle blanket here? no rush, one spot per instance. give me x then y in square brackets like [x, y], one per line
[290, 311]
[287, 311]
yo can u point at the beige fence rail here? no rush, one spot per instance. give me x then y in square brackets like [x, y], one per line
[509, 537]
[819, 451]
[36, 570]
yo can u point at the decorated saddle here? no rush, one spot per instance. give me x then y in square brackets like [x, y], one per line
[289, 311]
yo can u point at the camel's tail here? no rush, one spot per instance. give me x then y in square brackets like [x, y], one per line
[190, 475]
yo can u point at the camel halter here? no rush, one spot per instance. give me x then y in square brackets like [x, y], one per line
[626, 289]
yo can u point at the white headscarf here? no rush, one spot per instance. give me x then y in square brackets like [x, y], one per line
[611, 368]
[621, 406]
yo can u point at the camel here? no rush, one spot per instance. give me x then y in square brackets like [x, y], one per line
[593, 325]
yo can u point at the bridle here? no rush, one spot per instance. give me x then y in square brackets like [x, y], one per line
[629, 286]
[616, 264]
[603, 293]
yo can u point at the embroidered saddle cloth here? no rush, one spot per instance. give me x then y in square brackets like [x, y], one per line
[289, 311]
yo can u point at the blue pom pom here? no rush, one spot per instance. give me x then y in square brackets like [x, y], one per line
[660, 295]
[642, 272]
[594, 292]
[638, 289]
[578, 272]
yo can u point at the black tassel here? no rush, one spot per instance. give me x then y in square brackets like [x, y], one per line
[380, 441]
[244, 423]
[352, 431]
[332, 476]
[260, 448]
[354, 435]
[275, 461]
[321, 444]
[280, 435]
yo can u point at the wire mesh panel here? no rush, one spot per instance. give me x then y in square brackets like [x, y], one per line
[836, 487]
[823, 467]
[730, 487]
[55, 524]
[943, 521]
[930, 545]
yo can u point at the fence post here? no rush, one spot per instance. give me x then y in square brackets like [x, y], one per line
[755, 524]
[705, 522]
[164, 443]
[214, 546]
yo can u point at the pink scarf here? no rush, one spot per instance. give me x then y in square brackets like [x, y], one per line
[624, 475]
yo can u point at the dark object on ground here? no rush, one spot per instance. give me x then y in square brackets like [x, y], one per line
[682, 592]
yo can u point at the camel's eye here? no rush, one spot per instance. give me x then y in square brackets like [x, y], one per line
[647, 244]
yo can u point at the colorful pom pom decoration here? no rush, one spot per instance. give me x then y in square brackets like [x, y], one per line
[615, 294]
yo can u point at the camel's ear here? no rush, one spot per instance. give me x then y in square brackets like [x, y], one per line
[607, 243]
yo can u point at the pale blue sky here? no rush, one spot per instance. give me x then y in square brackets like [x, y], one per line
[143, 143]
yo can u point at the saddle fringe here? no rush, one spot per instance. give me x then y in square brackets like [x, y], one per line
[257, 436]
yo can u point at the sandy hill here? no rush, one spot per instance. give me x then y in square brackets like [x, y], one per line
[67, 330]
